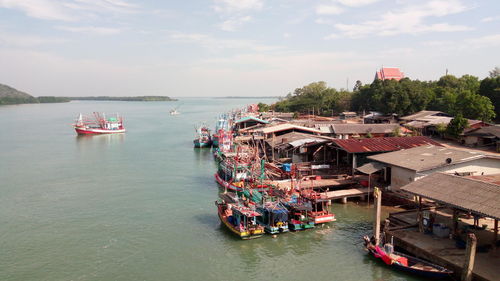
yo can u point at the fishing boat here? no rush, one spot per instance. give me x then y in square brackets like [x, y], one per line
[319, 212]
[406, 263]
[274, 217]
[235, 175]
[99, 123]
[203, 138]
[240, 219]
[298, 216]
[221, 128]
[174, 111]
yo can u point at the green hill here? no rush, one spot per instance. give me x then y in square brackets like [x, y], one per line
[9, 95]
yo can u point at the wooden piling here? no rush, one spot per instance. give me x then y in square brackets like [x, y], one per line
[470, 254]
[377, 196]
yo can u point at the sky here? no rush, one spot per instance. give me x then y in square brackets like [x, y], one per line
[196, 48]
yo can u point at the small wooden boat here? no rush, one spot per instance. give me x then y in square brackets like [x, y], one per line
[241, 220]
[406, 263]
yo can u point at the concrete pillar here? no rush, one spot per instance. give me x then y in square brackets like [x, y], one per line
[329, 202]
[495, 234]
[470, 255]
[344, 200]
[377, 195]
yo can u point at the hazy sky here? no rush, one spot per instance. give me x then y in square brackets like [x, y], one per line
[237, 47]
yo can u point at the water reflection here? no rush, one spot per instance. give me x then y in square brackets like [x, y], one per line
[94, 142]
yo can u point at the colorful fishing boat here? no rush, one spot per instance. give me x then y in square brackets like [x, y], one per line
[235, 175]
[99, 123]
[274, 217]
[298, 216]
[320, 212]
[203, 138]
[406, 263]
[241, 220]
[221, 127]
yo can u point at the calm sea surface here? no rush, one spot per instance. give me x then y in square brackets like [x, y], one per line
[140, 206]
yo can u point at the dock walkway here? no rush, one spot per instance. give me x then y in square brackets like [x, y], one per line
[346, 193]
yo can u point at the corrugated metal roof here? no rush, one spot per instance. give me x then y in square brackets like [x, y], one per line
[248, 118]
[426, 157]
[364, 128]
[287, 126]
[382, 144]
[463, 193]
[423, 114]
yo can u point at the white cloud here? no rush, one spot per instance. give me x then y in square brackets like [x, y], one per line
[329, 10]
[18, 40]
[356, 3]
[233, 23]
[232, 6]
[90, 30]
[331, 36]
[234, 13]
[61, 10]
[408, 20]
[40, 9]
[216, 44]
[490, 19]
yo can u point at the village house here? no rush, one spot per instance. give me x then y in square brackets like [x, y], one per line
[348, 131]
[247, 122]
[379, 118]
[352, 153]
[426, 122]
[457, 210]
[485, 136]
[408, 165]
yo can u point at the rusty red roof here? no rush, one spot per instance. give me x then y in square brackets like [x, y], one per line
[382, 144]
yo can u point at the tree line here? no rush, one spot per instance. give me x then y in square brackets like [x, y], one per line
[467, 96]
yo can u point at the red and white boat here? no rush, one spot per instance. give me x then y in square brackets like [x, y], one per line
[99, 124]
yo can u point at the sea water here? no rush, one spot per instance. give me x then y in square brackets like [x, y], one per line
[140, 206]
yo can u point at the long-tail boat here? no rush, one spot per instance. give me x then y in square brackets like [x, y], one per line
[406, 263]
[240, 219]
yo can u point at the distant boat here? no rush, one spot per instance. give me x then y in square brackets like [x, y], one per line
[99, 123]
[203, 137]
[174, 111]
[406, 263]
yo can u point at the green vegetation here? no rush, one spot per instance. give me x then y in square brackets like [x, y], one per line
[466, 95]
[10, 95]
[457, 125]
[139, 98]
[52, 99]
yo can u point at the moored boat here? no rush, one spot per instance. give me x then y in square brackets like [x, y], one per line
[274, 217]
[99, 124]
[319, 212]
[203, 138]
[406, 263]
[241, 220]
[298, 216]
